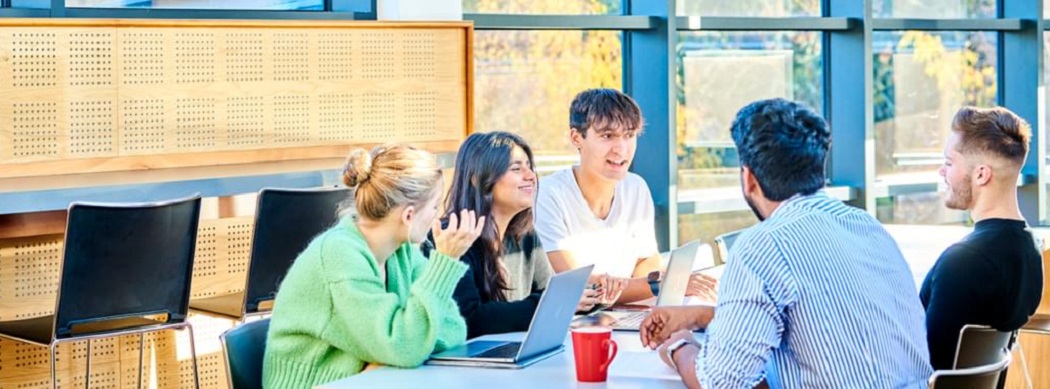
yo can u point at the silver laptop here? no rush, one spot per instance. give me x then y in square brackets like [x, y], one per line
[546, 332]
[672, 292]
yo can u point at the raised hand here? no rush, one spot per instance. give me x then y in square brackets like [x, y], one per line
[460, 233]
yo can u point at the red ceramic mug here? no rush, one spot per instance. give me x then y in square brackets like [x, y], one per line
[594, 350]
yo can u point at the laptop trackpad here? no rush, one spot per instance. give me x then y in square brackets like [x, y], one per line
[470, 349]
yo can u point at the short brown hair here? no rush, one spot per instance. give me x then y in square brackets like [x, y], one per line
[604, 108]
[995, 131]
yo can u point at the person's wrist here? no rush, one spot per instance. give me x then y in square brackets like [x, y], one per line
[673, 351]
[653, 278]
[699, 318]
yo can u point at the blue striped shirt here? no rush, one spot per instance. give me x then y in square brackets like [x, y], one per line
[820, 294]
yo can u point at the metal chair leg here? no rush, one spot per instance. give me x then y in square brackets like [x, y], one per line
[54, 377]
[87, 372]
[142, 347]
[193, 354]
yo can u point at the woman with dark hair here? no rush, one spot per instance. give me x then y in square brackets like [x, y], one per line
[508, 269]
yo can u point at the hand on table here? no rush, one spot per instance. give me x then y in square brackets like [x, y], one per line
[703, 286]
[662, 322]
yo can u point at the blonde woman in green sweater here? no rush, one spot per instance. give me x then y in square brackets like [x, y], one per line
[362, 293]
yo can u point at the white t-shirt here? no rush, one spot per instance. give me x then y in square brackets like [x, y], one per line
[564, 222]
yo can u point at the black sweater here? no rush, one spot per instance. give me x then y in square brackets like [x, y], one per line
[527, 271]
[992, 277]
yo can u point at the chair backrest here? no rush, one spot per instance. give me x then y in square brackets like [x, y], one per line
[286, 220]
[979, 377]
[244, 347]
[705, 257]
[980, 345]
[725, 243]
[126, 260]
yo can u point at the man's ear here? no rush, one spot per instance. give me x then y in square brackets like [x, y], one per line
[575, 138]
[983, 175]
[748, 180]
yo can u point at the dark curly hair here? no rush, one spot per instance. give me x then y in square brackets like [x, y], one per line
[785, 144]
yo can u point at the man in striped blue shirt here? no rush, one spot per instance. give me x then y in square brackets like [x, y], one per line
[817, 295]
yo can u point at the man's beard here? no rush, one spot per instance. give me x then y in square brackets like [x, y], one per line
[754, 209]
[960, 196]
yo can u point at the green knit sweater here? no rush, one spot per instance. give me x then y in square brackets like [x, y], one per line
[334, 314]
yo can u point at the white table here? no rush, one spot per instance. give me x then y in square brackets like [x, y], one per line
[634, 367]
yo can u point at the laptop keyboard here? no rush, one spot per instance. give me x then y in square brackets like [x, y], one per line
[509, 350]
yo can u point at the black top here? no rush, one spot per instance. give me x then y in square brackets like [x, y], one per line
[527, 271]
[994, 277]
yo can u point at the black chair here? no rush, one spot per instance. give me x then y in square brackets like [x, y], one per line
[725, 242]
[126, 269]
[286, 220]
[980, 345]
[244, 347]
[979, 377]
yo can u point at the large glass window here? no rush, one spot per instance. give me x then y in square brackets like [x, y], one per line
[202, 4]
[719, 73]
[921, 80]
[753, 8]
[525, 81]
[941, 9]
[919, 208]
[557, 7]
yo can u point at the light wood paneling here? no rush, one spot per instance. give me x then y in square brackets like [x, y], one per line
[100, 96]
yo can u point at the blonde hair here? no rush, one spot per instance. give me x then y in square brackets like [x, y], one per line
[388, 177]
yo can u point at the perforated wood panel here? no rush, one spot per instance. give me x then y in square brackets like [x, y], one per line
[105, 89]
[195, 57]
[246, 120]
[166, 361]
[223, 251]
[196, 124]
[91, 128]
[91, 58]
[336, 116]
[29, 271]
[144, 129]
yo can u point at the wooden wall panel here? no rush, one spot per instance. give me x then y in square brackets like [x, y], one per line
[89, 95]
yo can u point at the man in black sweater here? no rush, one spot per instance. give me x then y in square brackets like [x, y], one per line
[994, 276]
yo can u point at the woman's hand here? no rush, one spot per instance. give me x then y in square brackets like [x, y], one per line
[587, 300]
[610, 288]
[460, 233]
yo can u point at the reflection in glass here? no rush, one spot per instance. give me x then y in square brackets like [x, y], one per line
[921, 79]
[555, 7]
[751, 8]
[524, 82]
[707, 226]
[719, 73]
[939, 9]
[316, 5]
[919, 208]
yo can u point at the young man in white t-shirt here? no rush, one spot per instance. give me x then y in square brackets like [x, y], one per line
[598, 212]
